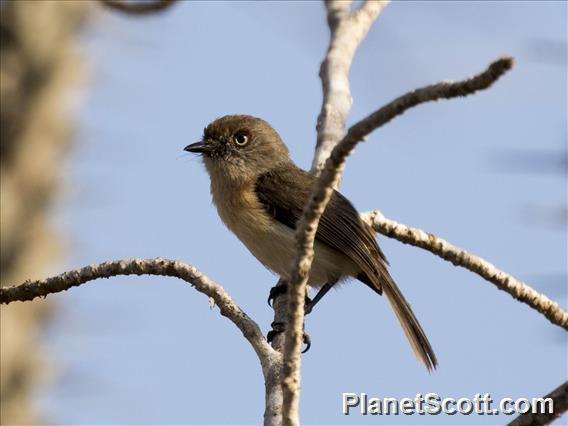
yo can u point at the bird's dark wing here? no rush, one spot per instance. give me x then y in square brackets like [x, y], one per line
[284, 192]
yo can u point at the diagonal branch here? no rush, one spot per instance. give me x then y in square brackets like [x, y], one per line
[459, 257]
[559, 396]
[321, 193]
[171, 268]
[433, 92]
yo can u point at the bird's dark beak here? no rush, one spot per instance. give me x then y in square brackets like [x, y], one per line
[198, 147]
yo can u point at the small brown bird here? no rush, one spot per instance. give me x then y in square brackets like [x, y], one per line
[260, 195]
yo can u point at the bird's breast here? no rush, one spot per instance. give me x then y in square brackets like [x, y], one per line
[271, 242]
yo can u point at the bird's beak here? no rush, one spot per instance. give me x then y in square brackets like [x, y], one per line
[198, 147]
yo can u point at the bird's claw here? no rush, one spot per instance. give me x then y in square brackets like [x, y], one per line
[276, 291]
[278, 327]
[307, 341]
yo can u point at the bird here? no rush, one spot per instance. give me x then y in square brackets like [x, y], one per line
[260, 194]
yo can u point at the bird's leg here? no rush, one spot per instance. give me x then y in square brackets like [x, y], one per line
[278, 327]
[322, 292]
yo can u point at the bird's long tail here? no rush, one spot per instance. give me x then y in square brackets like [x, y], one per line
[416, 336]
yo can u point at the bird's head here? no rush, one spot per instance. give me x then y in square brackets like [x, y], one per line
[240, 147]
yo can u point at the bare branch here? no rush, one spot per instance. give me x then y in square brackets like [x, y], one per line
[41, 288]
[347, 32]
[459, 257]
[270, 359]
[138, 7]
[321, 193]
[560, 398]
[434, 92]
[273, 393]
[274, 398]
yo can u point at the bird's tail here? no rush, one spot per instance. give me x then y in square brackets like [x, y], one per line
[414, 333]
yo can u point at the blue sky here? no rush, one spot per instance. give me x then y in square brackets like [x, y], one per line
[148, 350]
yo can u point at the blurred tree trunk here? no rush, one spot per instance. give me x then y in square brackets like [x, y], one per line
[38, 72]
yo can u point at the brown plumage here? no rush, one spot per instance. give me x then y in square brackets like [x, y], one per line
[260, 194]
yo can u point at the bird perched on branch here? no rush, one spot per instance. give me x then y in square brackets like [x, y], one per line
[260, 195]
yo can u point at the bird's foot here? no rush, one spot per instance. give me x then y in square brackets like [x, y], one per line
[278, 327]
[279, 289]
[276, 291]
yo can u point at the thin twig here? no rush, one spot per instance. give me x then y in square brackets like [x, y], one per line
[323, 188]
[433, 92]
[41, 288]
[459, 257]
[559, 397]
[138, 7]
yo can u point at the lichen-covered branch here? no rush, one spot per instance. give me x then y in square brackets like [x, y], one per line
[321, 193]
[434, 92]
[270, 359]
[559, 397]
[138, 7]
[273, 394]
[41, 288]
[347, 31]
[459, 257]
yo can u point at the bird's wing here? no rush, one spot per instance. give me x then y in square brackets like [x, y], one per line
[284, 192]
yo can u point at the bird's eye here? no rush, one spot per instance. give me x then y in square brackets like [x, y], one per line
[241, 139]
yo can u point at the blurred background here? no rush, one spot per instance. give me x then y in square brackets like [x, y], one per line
[96, 109]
